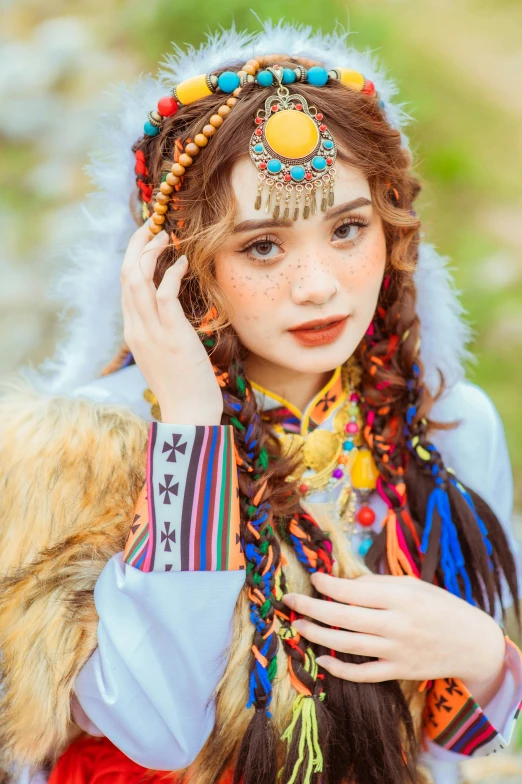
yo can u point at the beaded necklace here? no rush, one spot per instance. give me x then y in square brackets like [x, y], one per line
[338, 463]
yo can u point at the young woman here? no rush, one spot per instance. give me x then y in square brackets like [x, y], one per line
[309, 585]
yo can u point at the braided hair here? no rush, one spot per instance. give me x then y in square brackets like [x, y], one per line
[435, 528]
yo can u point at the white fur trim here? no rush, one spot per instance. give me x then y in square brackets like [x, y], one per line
[89, 285]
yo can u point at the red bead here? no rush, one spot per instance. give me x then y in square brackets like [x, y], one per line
[288, 177]
[308, 175]
[167, 106]
[369, 87]
[322, 127]
[259, 120]
[366, 516]
[299, 107]
[329, 161]
[258, 132]
[319, 116]
[275, 108]
[303, 488]
[262, 165]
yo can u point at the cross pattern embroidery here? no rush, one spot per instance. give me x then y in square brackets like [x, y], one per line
[174, 447]
[168, 488]
[326, 401]
[168, 536]
[452, 686]
[441, 704]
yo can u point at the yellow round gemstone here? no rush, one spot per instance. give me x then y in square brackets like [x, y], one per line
[351, 78]
[364, 473]
[291, 134]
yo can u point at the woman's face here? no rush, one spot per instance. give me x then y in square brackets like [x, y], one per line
[303, 294]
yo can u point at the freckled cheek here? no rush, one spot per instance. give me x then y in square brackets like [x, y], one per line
[364, 268]
[251, 294]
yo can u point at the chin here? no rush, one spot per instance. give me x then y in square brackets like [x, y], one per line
[319, 359]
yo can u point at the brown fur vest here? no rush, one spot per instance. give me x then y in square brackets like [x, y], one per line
[70, 474]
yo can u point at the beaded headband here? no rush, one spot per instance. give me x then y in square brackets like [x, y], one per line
[291, 146]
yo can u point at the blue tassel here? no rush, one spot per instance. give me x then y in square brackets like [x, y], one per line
[482, 526]
[452, 560]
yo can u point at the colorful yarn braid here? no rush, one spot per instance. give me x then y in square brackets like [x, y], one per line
[456, 578]
[382, 432]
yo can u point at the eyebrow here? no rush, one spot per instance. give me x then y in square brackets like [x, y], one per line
[281, 223]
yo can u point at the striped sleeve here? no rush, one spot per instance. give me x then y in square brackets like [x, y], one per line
[456, 723]
[187, 516]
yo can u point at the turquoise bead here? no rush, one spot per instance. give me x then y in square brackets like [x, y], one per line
[265, 78]
[274, 166]
[348, 446]
[319, 163]
[289, 76]
[381, 104]
[328, 144]
[317, 76]
[228, 81]
[365, 546]
[150, 129]
[258, 148]
[298, 173]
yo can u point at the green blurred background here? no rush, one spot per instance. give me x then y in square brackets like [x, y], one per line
[458, 66]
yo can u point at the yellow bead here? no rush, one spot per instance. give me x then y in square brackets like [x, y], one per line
[160, 209]
[241, 73]
[254, 63]
[216, 121]
[364, 472]
[231, 101]
[209, 130]
[237, 91]
[163, 198]
[154, 228]
[201, 140]
[224, 110]
[172, 179]
[166, 188]
[185, 160]
[159, 219]
[193, 89]
[177, 169]
[292, 134]
[192, 149]
[352, 79]
[249, 69]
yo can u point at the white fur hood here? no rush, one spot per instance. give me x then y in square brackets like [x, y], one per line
[89, 284]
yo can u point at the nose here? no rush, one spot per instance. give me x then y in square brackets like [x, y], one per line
[313, 284]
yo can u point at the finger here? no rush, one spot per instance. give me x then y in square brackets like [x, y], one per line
[139, 281]
[368, 672]
[137, 243]
[344, 642]
[357, 619]
[372, 593]
[170, 312]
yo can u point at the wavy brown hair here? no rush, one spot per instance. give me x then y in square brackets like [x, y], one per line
[366, 730]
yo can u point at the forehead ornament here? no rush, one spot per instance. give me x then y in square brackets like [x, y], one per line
[293, 151]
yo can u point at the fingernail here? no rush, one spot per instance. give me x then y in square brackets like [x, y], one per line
[289, 599]
[319, 659]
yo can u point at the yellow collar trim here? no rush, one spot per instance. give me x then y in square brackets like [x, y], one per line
[319, 408]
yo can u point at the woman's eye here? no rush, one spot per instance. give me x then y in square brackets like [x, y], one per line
[347, 231]
[263, 250]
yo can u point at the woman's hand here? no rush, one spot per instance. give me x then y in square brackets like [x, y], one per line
[165, 346]
[415, 630]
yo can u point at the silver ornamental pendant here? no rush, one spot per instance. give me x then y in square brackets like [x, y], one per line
[294, 153]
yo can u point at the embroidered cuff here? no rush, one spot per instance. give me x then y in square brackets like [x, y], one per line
[454, 721]
[187, 516]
